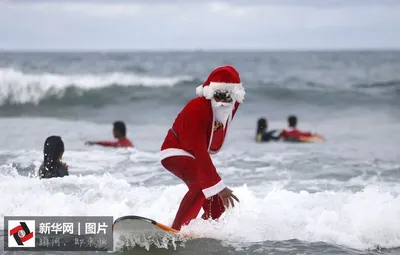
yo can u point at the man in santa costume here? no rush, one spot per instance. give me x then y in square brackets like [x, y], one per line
[198, 131]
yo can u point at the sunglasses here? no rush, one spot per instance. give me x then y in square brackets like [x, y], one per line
[222, 96]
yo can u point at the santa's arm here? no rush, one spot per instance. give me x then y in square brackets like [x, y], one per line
[196, 140]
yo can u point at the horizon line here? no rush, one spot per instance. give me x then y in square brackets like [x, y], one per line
[116, 50]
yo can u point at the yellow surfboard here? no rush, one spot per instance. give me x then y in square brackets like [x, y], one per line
[312, 139]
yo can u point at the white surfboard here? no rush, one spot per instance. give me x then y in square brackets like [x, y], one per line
[135, 231]
[131, 224]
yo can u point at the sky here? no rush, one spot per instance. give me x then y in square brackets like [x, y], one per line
[199, 24]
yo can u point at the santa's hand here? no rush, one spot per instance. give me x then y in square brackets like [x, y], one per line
[227, 197]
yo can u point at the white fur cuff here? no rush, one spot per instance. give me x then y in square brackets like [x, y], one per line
[213, 190]
[170, 152]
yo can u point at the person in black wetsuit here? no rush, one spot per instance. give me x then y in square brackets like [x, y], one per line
[52, 165]
[262, 135]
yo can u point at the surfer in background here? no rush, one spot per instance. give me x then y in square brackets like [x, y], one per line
[52, 166]
[294, 135]
[119, 132]
[262, 134]
[200, 129]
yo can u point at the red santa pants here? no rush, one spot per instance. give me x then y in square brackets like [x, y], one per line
[185, 168]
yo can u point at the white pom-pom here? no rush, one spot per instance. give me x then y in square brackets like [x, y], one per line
[238, 92]
[208, 92]
[199, 90]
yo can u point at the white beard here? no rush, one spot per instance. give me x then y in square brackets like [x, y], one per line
[222, 110]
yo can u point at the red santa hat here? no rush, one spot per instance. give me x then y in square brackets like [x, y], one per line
[224, 78]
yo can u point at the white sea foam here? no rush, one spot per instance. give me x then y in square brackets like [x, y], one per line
[359, 220]
[19, 87]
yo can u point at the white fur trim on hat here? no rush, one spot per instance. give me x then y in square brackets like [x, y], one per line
[236, 90]
[199, 90]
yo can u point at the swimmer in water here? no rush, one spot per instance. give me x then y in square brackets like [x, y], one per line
[262, 135]
[294, 135]
[52, 165]
[119, 132]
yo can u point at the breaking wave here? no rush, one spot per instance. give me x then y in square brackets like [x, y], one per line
[17, 87]
[23, 89]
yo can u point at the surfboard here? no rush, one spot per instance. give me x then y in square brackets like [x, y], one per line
[132, 230]
[139, 224]
[312, 139]
[306, 139]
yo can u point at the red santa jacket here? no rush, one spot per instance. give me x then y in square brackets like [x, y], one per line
[191, 136]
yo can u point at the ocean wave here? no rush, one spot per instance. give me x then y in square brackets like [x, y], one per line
[47, 89]
[17, 87]
[297, 83]
[386, 87]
